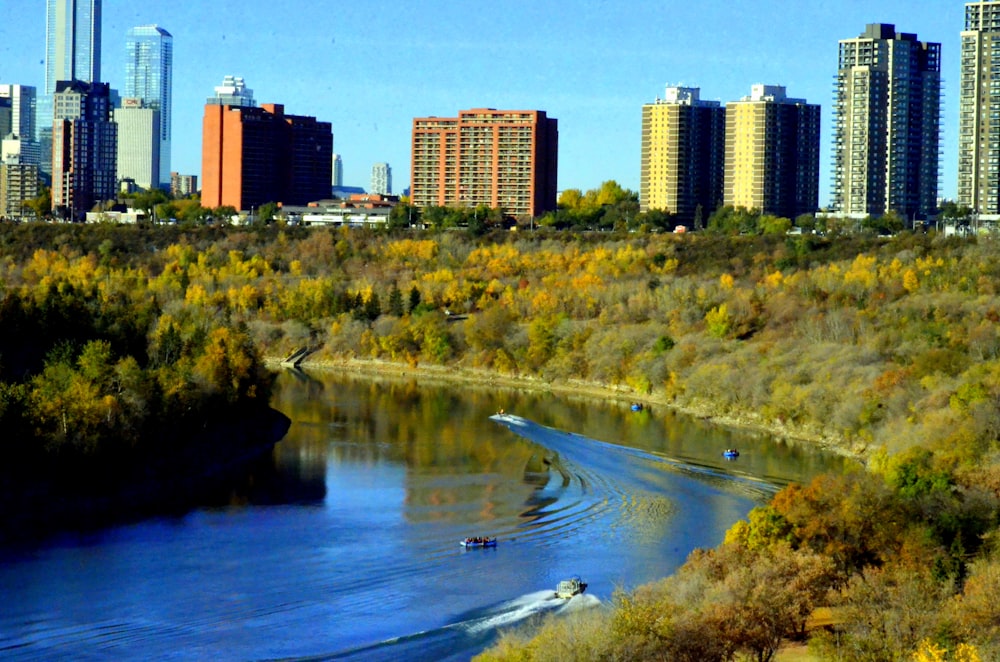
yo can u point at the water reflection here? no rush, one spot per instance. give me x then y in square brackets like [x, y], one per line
[343, 543]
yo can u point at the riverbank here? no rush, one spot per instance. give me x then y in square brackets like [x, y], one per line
[788, 434]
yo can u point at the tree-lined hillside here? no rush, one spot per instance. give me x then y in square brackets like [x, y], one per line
[885, 348]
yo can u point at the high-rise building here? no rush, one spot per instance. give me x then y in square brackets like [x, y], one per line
[149, 57]
[182, 186]
[139, 143]
[14, 149]
[887, 115]
[338, 171]
[252, 155]
[23, 108]
[84, 148]
[502, 158]
[772, 153]
[6, 117]
[18, 175]
[72, 52]
[683, 154]
[979, 109]
[381, 179]
[232, 92]
[18, 184]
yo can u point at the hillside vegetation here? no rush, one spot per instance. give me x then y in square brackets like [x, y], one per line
[886, 349]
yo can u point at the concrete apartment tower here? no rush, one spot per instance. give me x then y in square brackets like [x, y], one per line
[84, 148]
[979, 106]
[887, 116]
[683, 154]
[72, 52]
[501, 158]
[772, 153]
[139, 143]
[381, 179]
[149, 64]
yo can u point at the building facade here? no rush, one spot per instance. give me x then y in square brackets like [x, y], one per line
[72, 52]
[501, 158]
[252, 155]
[84, 148]
[181, 186]
[18, 176]
[979, 109]
[139, 143]
[14, 149]
[772, 153]
[887, 115]
[149, 63]
[23, 104]
[683, 154]
[381, 183]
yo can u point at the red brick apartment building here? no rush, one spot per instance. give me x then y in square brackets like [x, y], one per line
[501, 158]
[251, 155]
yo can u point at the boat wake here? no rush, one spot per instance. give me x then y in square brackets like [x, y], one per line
[474, 629]
[644, 466]
[597, 488]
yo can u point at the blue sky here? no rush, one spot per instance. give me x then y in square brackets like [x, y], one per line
[370, 67]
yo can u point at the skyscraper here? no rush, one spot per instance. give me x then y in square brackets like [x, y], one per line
[84, 146]
[887, 124]
[255, 155]
[683, 153]
[338, 171]
[72, 52]
[502, 158]
[381, 179]
[979, 108]
[149, 55]
[139, 141]
[23, 105]
[772, 153]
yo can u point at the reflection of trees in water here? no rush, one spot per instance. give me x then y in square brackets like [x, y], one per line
[460, 464]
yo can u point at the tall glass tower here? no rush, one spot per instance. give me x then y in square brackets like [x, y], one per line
[72, 52]
[149, 63]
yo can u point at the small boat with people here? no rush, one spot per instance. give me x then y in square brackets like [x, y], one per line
[637, 406]
[479, 541]
[731, 452]
[567, 588]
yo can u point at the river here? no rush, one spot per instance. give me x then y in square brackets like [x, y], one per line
[343, 543]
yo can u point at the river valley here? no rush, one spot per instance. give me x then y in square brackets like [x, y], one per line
[343, 543]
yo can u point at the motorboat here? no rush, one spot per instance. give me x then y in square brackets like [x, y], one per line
[731, 452]
[567, 588]
[480, 541]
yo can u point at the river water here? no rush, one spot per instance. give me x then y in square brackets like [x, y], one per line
[343, 544]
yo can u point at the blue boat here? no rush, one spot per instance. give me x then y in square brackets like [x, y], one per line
[731, 452]
[470, 543]
[637, 406]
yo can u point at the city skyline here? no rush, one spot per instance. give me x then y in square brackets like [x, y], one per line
[591, 69]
